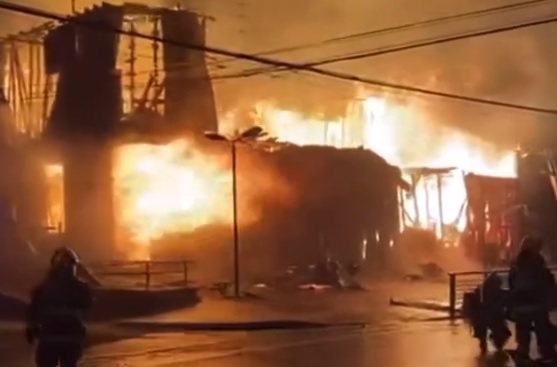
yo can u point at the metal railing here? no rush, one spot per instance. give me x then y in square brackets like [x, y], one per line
[147, 270]
[462, 282]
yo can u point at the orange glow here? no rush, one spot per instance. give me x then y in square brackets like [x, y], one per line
[54, 174]
[169, 188]
[406, 137]
[177, 188]
[174, 188]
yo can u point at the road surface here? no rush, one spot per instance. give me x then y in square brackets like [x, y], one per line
[394, 337]
[410, 343]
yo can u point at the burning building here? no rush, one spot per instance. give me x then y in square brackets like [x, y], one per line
[78, 90]
[118, 119]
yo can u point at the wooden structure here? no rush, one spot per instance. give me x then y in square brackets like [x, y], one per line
[494, 215]
[78, 90]
[431, 180]
[489, 214]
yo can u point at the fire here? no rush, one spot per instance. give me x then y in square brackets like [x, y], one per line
[293, 127]
[176, 188]
[406, 137]
[54, 174]
[173, 188]
[170, 188]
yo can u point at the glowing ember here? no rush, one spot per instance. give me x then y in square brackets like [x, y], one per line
[168, 189]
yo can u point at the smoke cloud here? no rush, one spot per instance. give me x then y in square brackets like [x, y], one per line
[513, 67]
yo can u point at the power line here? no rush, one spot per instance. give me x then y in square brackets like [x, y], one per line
[376, 32]
[439, 41]
[407, 47]
[283, 64]
[400, 27]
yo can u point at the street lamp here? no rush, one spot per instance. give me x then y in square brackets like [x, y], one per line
[249, 135]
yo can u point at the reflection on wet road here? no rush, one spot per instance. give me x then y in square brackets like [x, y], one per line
[407, 345]
[396, 337]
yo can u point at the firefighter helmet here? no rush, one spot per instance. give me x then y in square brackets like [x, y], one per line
[531, 244]
[64, 257]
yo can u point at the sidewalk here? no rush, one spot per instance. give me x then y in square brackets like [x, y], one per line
[322, 306]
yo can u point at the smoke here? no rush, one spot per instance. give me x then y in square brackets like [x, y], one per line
[418, 247]
[512, 67]
[11, 22]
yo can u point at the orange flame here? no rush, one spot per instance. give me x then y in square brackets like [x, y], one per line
[406, 137]
[173, 188]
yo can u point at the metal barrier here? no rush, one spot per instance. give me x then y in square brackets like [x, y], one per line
[462, 282]
[145, 269]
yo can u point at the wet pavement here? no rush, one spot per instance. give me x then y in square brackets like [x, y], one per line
[403, 344]
[392, 336]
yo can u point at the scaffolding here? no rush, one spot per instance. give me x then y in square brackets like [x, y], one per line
[55, 102]
[30, 90]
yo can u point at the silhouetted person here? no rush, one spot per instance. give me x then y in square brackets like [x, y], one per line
[55, 313]
[531, 286]
[485, 311]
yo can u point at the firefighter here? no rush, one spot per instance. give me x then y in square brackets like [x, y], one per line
[55, 313]
[532, 285]
[485, 311]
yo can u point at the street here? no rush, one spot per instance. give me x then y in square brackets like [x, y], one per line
[401, 337]
[403, 344]
[353, 328]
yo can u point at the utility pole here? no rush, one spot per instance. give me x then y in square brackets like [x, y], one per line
[235, 223]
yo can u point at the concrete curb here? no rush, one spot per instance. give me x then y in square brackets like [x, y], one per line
[230, 326]
[422, 305]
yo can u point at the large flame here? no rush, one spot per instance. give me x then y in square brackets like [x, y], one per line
[170, 188]
[406, 137]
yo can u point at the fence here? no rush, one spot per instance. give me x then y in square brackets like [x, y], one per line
[462, 282]
[146, 270]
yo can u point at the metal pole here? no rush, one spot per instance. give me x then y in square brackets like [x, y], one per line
[440, 204]
[427, 208]
[452, 296]
[147, 274]
[235, 224]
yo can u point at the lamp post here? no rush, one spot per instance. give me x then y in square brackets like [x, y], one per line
[246, 136]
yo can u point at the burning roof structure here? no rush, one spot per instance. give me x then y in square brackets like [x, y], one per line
[119, 119]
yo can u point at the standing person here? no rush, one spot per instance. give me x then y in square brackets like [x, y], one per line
[484, 309]
[532, 285]
[55, 313]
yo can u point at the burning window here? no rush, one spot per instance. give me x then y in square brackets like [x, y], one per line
[54, 174]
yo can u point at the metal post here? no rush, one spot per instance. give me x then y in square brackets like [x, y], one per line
[415, 195]
[147, 274]
[440, 204]
[235, 224]
[185, 267]
[427, 208]
[452, 296]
